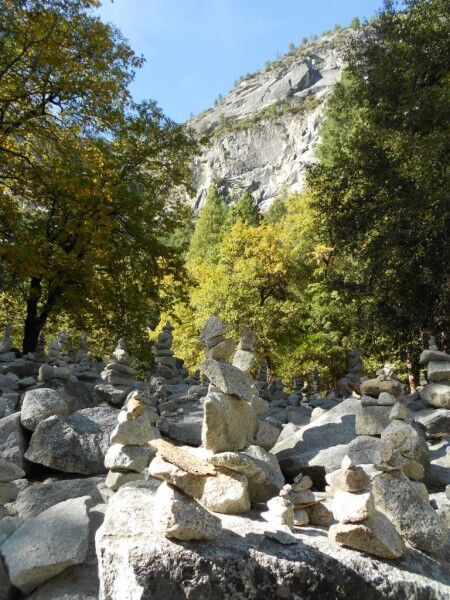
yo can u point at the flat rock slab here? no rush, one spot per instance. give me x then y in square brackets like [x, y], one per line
[229, 379]
[136, 563]
[46, 545]
[74, 444]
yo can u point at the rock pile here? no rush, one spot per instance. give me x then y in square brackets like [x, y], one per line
[119, 376]
[351, 382]
[437, 392]
[360, 525]
[130, 453]
[166, 364]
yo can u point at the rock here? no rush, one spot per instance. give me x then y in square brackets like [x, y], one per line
[299, 415]
[244, 360]
[128, 458]
[304, 483]
[312, 449]
[10, 471]
[436, 394]
[438, 475]
[265, 479]
[46, 545]
[8, 525]
[213, 329]
[181, 518]
[39, 404]
[317, 412]
[438, 371]
[9, 404]
[413, 518]
[304, 498]
[288, 430]
[353, 479]
[135, 431]
[115, 480]
[301, 517]
[135, 561]
[229, 423]
[184, 428]
[374, 387]
[219, 493]
[398, 412]
[375, 536]
[352, 508]
[111, 394]
[74, 444]
[12, 439]
[319, 514]
[421, 490]
[9, 491]
[267, 435]
[435, 421]
[229, 379]
[438, 501]
[371, 420]
[222, 351]
[433, 355]
[39, 497]
[280, 512]
[5, 584]
[409, 441]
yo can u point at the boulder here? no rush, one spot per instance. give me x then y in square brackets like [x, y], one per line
[9, 491]
[375, 536]
[229, 379]
[261, 468]
[299, 415]
[132, 430]
[408, 440]
[9, 471]
[12, 439]
[47, 544]
[433, 355]
[413, 518]
[371, 420]
[8, 525]
[229, 423]
[111, 394]
[349, 507]
[181, 518]
[267, 434]
[435, 421]
[224, 492]
[136, 561]
[74, 444]
[438, 371]
[436, 394]
[5, 584]
[39, 404]
[41, 496]
[191, 460]
[185, 428]
[128, 458]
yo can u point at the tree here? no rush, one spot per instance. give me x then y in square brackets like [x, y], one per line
[381, 186]
[86, 175]
[291, 47]
[209, 229]
[355, 23]
[244, 209]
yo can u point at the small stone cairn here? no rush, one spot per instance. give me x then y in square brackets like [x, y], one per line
[359, 525]
[229, 471]
[82, 358]
[166, 364]
[351, 382]
[437, 391]
[56, 366]
[130, 452]
[118, 375]
[6, 344]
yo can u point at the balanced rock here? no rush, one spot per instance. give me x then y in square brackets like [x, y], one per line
[374, 387]
[229, 379]
[213, 332]
[182, 518]
[128, 458]
[409, 441]
[438, 371]
[350, 507]
[436, 394]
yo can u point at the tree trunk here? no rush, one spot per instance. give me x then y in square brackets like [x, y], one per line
[413, 374]
[32, 327]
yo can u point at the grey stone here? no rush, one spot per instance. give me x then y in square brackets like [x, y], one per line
[39, 404]
[222, 351]
[138, 430]
[185, 428]
[435, 421]
[299, 415]
[115, 480]
[213, 329]
[413, 518]
[9, 491]
[111, 394]
[243, 360]
[10, 471]
[8, 525]
[371, 420]
[5, 584]
[135, 561]
[12, 439]
[438, 371]
[46, 545]
[436, 394]
[409, 441]
[267, 435]
[74, 444]
[349, 507]
[374, 387]
[182, 518]
[39, 497]
[128, 458]
[229, 379]
[433, 355]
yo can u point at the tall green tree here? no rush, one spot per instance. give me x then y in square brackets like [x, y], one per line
[381, 186]
[243, 209]
[209, 229]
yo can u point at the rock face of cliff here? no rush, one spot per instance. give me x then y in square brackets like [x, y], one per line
[263, 133]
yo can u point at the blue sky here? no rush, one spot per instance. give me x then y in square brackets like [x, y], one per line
[196, 49]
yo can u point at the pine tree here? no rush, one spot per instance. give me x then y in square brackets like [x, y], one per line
[244, 209]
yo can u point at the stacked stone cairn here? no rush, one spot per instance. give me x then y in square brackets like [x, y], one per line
[118, 375]
[166, 364]
[437, 391]
[228, 472]
[351, 382]
[39, 355]
[130, 452]
[359, 525]
[56, 366]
